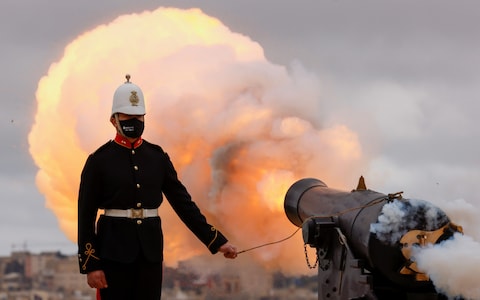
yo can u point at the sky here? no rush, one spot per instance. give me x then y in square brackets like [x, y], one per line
[402, 75]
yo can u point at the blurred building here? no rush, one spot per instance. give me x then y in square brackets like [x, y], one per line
[54, 276]
[44, 276]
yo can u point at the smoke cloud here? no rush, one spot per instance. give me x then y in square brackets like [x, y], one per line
[452, 266]
[399, 216]
[239, 129]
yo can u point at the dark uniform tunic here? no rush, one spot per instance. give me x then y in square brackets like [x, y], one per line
[121, 175]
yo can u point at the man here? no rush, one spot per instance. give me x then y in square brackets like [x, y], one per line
[122, 253]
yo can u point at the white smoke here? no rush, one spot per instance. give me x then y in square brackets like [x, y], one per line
[463, 213]
[400, 216]
[452, 266]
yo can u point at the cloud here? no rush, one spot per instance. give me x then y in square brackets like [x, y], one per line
[239, 129]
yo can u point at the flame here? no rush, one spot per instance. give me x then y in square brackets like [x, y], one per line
[239, 129]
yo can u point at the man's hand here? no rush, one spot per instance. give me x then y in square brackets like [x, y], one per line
[229, 251]
[96, 280]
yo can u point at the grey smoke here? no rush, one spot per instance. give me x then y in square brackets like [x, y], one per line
[400, 216]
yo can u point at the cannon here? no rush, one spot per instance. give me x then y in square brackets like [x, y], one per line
[364, 239]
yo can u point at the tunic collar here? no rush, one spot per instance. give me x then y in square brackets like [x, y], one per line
[122, 141]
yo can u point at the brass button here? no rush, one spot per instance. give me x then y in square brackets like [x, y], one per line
[139, 222]
[133, 151]
[139, 204]
[135, 168]
[138, 185]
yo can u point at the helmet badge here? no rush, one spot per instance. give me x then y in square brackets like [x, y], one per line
[134, 98]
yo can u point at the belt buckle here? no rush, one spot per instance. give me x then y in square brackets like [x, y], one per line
[137, 213]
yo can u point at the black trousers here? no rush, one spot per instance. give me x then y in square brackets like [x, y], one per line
[140, 280]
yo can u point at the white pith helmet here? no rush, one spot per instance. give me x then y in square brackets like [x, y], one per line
[128, 99]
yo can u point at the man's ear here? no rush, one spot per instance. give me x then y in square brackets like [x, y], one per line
[113, 121]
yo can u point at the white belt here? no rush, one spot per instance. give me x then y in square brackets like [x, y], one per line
[132, 213]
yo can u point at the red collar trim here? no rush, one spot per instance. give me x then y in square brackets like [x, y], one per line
[122, 141]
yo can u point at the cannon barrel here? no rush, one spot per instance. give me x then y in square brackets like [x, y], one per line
[361, 251]
[311, 197]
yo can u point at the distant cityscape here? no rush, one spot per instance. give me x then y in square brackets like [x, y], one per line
[55, 276]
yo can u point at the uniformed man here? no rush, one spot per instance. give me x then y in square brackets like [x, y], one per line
[122, 253]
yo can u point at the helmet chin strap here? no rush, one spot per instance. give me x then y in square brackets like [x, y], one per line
[119, 128]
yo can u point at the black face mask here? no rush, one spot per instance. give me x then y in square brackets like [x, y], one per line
[132, 128]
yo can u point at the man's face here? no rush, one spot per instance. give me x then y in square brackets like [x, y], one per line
[124, 117]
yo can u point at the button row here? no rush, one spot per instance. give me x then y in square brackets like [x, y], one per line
[139, 222]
